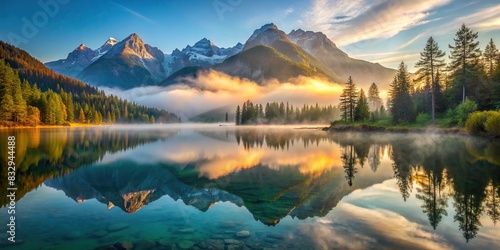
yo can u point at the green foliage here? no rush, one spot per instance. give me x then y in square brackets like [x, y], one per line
[460, 114]
[492, 124]
[423, 119]
[475, 123]
[484, 122]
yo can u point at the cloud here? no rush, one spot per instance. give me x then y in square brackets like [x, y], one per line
[213, 89]
[398, 58]
[135, 13]
[349, 22]
[411, 41]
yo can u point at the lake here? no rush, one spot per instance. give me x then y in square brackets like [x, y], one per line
[226, 187]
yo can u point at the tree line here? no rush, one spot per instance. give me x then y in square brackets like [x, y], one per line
[60, 100]
[470, 82]
[283, 113]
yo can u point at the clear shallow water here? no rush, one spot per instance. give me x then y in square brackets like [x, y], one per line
[169, 187]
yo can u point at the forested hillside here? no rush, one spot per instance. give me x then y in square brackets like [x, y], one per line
[32, 94]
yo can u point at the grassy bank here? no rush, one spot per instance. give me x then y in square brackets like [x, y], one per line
[440, 127]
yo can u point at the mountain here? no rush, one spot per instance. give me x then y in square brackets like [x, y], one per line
[80, 58]
[216, 115]
[363, 73]
[130, 187]
[129, 63]
[62, 99]
[204, 53]
[269, 53]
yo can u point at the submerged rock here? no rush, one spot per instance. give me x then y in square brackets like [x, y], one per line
[211, 244]
[144, 245]
[232, 242]
[185, 244]
[124, 245]
[243, 234]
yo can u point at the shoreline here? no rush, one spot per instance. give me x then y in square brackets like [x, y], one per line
[398, 130]
[71, 125]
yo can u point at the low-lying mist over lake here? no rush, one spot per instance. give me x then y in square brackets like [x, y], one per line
[211, 89]
[254, 186]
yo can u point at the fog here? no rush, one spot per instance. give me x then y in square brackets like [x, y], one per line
[212, 89]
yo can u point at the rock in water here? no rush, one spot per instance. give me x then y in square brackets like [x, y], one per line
[231, 242]
[243, 234]
[124, 245]
[185, 244]
[144, 245]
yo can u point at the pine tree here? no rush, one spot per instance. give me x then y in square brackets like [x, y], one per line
[348, 100]
[429, 63]
[109, 118]
[374, 100]
[464, 57]
[362, 112]
[238, 115]
[490, 57]
[401, 104]
[81, 117]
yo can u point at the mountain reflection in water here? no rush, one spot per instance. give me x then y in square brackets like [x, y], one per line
[272, 172]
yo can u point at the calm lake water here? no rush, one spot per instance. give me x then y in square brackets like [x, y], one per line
[222, 187]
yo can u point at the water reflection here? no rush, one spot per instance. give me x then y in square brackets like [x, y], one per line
[273, 173]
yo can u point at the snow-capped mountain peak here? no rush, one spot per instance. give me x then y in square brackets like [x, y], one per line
[105, 48]
[111, 41]
[203, 53]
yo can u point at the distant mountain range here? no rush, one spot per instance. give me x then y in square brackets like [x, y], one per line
[269, 53]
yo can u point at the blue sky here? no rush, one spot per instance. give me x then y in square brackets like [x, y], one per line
[383, 31]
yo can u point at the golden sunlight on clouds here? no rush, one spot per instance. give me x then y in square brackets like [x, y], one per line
[213, 89]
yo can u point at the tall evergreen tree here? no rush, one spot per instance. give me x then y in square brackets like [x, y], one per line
[429, 63]
[374, 100]
[362, 112]
[238, 115]
[348, 100]
[464, 57]
[401, 104]
[490, 57]
[81, 117]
